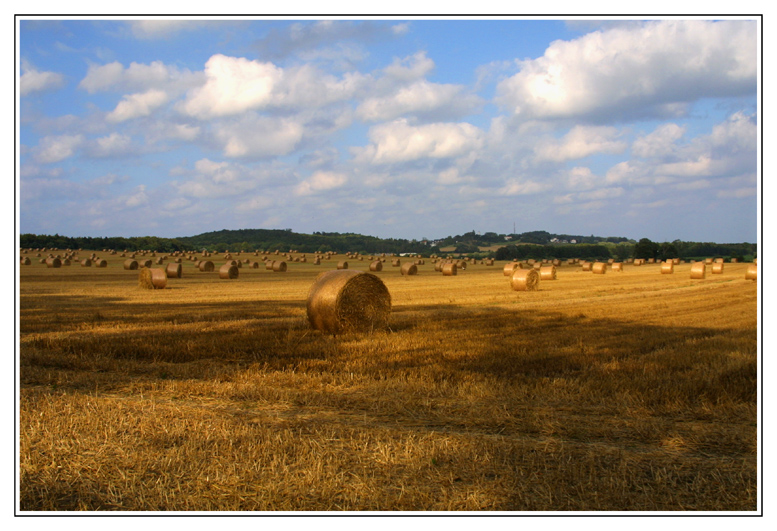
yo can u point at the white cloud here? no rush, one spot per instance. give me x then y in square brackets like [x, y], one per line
[33, 80]
[421, 97]
[410, 68]
[112, 145]
[137, 105]
[581, 178]
[137, 77]
[580, 142]
[161, 28]
[659, 143]
[233, 85]
[211, 179]
[259, 136]
[520, 187]
[399, 141]
[321, 181]
[57, 148]
[631, 71]
[137, 199]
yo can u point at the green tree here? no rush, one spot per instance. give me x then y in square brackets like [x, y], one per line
[645, 249]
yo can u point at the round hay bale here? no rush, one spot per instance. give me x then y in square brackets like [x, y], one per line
[26, 261]
[510, 268]
[449, 270]
[752, 272]
[395, 262]
[341, 301]
[152, 278]
[617, 267]
[708, 261]
[599, 268]
[279, 266]
[268, 265]
[101, 263]
[408, 268]
[698, 270]
[159, 261]
[317, 261]
[86, 262]
[228, 271]
[342, 265]
[174, 270]
[206, 266]
[377, 265]
[548, 272]
[525, 280]
[667, 268]
[53, 262]
[717, 268]
[537, 266]
[254, 265]
[586, 266]
[461, 264]
[145, 263]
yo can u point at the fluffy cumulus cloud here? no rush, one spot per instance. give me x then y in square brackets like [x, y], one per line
[137, 77]
[137, 105]
[581, 142]
[33, 80]
[57, 148]
[259, 136]
[630, 71]
[420, 98]
[399, 141]
[321, 181]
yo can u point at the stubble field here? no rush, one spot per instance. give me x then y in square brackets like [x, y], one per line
[631, 391]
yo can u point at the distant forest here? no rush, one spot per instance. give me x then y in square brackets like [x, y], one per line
[536, 244]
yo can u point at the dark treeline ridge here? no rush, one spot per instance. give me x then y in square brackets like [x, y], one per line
[537, 245]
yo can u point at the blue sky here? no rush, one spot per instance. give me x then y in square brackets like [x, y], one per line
[401, 128]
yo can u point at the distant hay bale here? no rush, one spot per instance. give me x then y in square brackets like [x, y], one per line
[449, 270]
[343, 301]
[698, 270]
[586, 266]
[86, 262]
[617, 267]
[159, 261]
[461, 264]
[525, 280]
[409, 268]
[152, 278]
[268, 265]
[174, 270]
[548, 272]
[26, 261]
[228, 271]
[206, 266]
[317, 261]
[395, 262]
[638, 261]
[537, 265]
[342, 265]
[254, 265]
[667, 268]
[510, 267]
[145, 263]
[752, 272]
[717, 268]
[53, 262]
[101, 263]
[708, 261]
[377, 265]
[279, 266]
[599, 268]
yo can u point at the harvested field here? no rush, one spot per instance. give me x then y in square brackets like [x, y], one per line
[592, 393]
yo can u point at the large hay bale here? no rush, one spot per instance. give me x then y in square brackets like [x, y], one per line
[53, 262]
[174, 270]
[408, 268]
[152, 278]
[667, 268]
[206, 266]
[279, 266]
[510, 268]
[342, 300]
[752, 272]
[377, 265]
[525, 280]
[717, 268]
[548, 272]
[228, 271]
[698, 270]
[449, 270]
[599, 268]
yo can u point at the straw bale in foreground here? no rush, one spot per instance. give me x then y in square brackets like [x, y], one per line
[152, 278]
[228, 271]
[344, 300]
[525, 280]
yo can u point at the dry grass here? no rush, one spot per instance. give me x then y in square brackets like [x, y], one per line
[593, 393]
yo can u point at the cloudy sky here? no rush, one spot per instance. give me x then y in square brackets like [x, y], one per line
[402, 128]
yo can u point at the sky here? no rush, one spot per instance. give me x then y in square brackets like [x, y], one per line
[390, 127]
